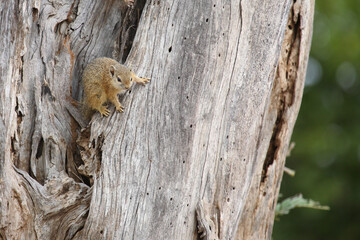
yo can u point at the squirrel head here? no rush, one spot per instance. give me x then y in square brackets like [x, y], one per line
[122, 78]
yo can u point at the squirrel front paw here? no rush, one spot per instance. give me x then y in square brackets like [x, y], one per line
[120, 108]
[143, 81]
[104, 111]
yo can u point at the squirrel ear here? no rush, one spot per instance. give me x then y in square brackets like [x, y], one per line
[112, 70]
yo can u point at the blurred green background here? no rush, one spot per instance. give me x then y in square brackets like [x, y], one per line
[326, 157]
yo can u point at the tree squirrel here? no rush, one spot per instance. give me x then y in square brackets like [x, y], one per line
[103, 79]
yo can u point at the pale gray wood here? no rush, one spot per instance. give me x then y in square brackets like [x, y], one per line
[209, 134]
[44, 47]
[279, 120]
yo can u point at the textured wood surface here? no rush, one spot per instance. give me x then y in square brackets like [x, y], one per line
[202, 147]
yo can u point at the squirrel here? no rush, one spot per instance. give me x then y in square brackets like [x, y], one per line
[103, 79]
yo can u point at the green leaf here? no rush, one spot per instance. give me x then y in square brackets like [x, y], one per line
[297, 201]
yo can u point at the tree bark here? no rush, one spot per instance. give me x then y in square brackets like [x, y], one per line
[198, 153]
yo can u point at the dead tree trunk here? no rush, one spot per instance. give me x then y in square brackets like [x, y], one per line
[202, 147]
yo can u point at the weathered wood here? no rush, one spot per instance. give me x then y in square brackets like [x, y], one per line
[257, 219]
[209, 133]
[206, 225]
[44, 47]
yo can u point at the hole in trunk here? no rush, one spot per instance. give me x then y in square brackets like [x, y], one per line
[40, 148]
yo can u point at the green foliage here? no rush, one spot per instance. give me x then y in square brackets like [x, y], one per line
[327, 132]
[284, 207]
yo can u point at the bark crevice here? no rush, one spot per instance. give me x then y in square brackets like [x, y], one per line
[283, 92]
[128, 28]
[207, 222]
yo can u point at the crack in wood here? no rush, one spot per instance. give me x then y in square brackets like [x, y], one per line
[91, 155]
[128, 29]
[208, 228]
[39, 150]
[45, 90]
[283, 92]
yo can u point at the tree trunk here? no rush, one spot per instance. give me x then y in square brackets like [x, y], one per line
[198, 153]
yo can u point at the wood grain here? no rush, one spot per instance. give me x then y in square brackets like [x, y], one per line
[209, 134]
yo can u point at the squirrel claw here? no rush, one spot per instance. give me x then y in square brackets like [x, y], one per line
[105, 112]
[120, 109]
[143, 81]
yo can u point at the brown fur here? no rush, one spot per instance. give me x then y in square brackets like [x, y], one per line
[101, 85]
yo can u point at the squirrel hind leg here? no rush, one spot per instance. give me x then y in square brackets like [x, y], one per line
[97, 103]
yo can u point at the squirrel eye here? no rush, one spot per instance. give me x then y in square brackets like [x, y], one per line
[130, 79]
[119, 79]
